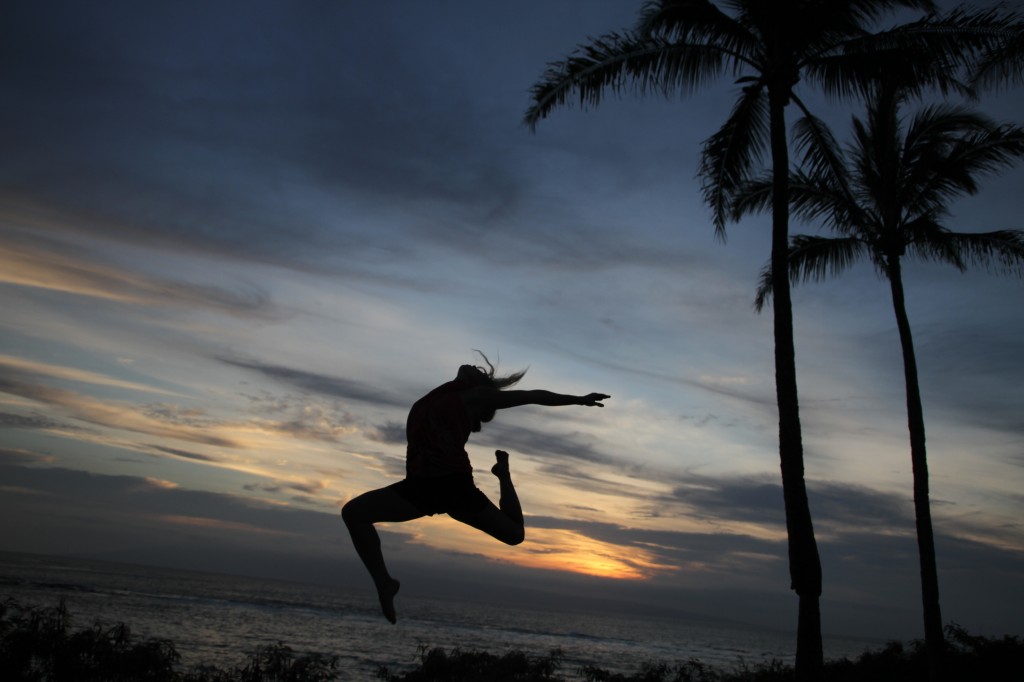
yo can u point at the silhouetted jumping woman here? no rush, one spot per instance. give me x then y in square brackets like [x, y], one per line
[438, 474]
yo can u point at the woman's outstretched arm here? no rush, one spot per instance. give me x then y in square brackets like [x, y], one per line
[487, 399]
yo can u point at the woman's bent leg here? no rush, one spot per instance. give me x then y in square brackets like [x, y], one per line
[360, 514]
[509, 500]
[505, 524]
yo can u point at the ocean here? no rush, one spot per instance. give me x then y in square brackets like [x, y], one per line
[221, 619]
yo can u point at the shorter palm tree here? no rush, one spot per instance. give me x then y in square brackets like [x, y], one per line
[886, 196]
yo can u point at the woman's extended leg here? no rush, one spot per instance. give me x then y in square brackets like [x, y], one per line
[360, 514]
[504, 523]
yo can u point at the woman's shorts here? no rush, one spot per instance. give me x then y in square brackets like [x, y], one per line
[449, 494]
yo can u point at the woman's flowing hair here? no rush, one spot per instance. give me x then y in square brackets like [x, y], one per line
[498, 382]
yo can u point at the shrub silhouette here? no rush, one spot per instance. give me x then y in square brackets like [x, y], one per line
[436, 665]
[38, 645]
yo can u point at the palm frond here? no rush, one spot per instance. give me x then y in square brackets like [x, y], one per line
[853, 70]
[816, 258]
[830, 204]
[753, 196]
[1001, 251]
[616, 62]
[986, 152]
[866, 12]
[1002, 65]
[813, 258]
[935, 52]
[958, 37]
[729, 155]
[697, 21]
[822, 157]
[935, 126]
[764, 288]
[925, 239]
[812, 201]
[809, 29]
[948, 149]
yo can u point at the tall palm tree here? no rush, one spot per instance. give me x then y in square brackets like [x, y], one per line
[886, 196]
[769, 46]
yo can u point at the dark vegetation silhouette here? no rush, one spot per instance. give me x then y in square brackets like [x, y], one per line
[41, 645]
[769, 48]
[886, 197]
[970, 658]
[439, 475]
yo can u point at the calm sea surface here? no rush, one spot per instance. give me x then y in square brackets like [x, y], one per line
[220, 619]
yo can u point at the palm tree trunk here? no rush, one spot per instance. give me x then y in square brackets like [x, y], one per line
[804, 562]
[934, 641]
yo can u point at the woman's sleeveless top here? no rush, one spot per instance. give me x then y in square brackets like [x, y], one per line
[436, 431]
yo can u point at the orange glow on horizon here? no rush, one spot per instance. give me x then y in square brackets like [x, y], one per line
[553, 549]
[566, 550]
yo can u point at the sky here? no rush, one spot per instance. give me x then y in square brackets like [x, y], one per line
[239, 240]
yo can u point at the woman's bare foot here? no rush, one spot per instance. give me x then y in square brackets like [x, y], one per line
[500, 468]
[386, 593]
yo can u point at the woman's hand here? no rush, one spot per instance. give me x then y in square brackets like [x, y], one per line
[593, 399]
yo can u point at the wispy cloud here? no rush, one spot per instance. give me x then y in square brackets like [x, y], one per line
[20, 456]
[184, 454]
[217, 524]
[323, 384]
[10, 364]
[392, 432]
[112, 414]
[550, 445]
[309, 488]
[56, 266]
[35, 421]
